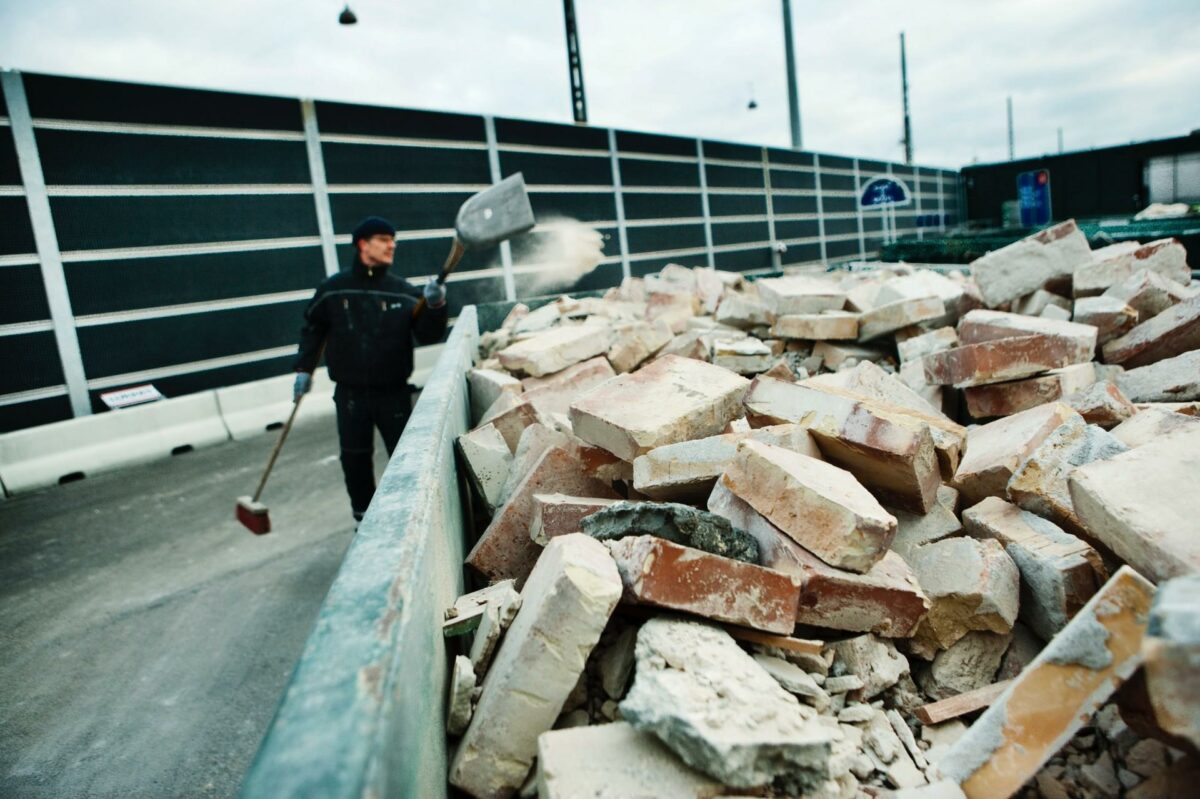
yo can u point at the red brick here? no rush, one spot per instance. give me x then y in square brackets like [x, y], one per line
[667, 575]
[1003, 359]
[505, 550]
[559, 514]
[1005, 399]
[1173, 332]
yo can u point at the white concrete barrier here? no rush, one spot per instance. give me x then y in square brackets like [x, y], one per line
[424, 359]
[250, 409]
[63, 451]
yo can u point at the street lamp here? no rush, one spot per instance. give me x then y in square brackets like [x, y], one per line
[347, 16]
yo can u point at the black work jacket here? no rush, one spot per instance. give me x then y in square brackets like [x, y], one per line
[367, 318]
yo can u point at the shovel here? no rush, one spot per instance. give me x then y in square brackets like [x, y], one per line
[489, 217]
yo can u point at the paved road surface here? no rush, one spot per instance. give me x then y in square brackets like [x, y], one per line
[145, 636]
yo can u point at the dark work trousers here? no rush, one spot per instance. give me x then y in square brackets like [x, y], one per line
[359, 412]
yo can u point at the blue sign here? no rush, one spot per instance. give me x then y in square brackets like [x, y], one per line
[883, 190]
[1033, 197]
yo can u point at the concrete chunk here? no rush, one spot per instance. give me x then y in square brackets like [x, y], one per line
[822, 507]
[505, 550]
[1059, 572]
[615, 761]
[1051, 699]
[1150, 424]
[995, 450]
[874, 661]
[886, 600]
[1142, 504]
[719, 711]
[800, 294]
[1173, 332]
[827, 326]
[914, 530]
[1005, 399]
[1031, 263]
[485, 387]
[555, 393]
[687, 470]
[462, 686]
[1170, 380]
[969, 664]
[556, 349]
[1101, 404]
[971, 585]
[635, 342]
[742, 311]
[1117, 262]
[565, 605]
[1039, 484]
[681, 524]
[512, 421]
[1003, 359]
[1148, 293]
[917, 347]
[745, 356]
[667, 575]
[889, 450]
[670, 400]
[559, 514]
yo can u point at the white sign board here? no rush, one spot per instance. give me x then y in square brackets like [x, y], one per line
[135, 395]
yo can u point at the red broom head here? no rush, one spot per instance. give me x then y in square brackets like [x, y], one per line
[253, 516]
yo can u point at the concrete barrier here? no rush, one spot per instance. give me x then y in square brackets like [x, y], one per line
[251, 409]
[364, 713]
[63, 451]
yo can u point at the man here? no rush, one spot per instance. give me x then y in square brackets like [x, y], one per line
[364, 318]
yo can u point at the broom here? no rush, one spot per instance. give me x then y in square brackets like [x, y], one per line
[253, 514]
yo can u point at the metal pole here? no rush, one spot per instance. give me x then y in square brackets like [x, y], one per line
[506, 259]
[614, 160]
[1011, 149]
[316, 171]
[1060, 141]
[575, 65]
[904, 92]
[789, 49]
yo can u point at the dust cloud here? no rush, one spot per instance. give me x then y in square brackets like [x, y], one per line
[564, 250]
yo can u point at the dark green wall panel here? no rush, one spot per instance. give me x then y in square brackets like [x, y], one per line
[733, 177]
[370, 163]
[406, 123]
[657, 145]
[663, 206]
[20, 415]
[797, 229]
[788, 179]
[665, 237]
[738, 232]
[789, 204]
[557, 169]
[549, 134]
[16, 236]
[737, 204]
[583, 207]
[30, 361]
[22, 296]
[743, 260]
[10, 171]
[409, 211]
[639, 172]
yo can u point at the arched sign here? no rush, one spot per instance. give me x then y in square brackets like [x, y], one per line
[883, 190]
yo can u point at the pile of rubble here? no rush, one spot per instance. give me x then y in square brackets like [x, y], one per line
[892, 532]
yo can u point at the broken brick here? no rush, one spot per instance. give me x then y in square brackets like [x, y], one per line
[830, 325]
[555, 349]
[1172, 650]
[884, 319]
[996, 449]
[554, 393]
[1148, 293]
[559, 514]
[1003, 359]
[1101, 404]
[1024, 266]
[1173, 332]
[1005, 399]
[1170, 380]
[1110, 316]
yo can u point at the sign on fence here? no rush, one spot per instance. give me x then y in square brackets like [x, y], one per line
[134, 395]
[1033, 197]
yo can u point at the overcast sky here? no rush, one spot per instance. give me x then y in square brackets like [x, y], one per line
[1106, 72]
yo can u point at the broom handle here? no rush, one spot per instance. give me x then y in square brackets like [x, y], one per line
[287, 428]
[456, 253]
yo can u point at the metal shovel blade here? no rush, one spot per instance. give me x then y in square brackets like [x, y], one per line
[495, 214]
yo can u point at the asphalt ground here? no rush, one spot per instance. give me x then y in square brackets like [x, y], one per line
[145, 636]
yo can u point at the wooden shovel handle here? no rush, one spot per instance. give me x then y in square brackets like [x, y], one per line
[457, 250]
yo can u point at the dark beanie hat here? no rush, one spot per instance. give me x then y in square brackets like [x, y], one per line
[372, 226]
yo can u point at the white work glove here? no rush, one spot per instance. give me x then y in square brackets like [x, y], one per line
[435, 293]
[302, 386]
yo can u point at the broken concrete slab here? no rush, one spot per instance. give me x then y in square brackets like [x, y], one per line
[794, 680]
[1169, 380]
[1101, 404]
[565, 605]
[888, 753]
[1003, 359]
[969, 664]
[873, 660]
[823, 508]
[917, 347]
[560, 514]
[488, 460]
[1039, 483]
[884, 319]
[555, 393]
[505, 550]
[663, 574]
[886, 600]
[719, 711]
[889, 450]
[1173, 332]
[996, 449]
[1150, 424]
[556, 349]
[827, 326]
[1029, 264]
[1059, 572]
[971, 585]
[681, 524]
[1043, 708]
[1150, 523]
[1172, 650]
[671, 399]
[1005, 399]
[687, 471]
[615, 761]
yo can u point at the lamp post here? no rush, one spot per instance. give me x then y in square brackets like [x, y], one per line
[789, 49]
[347, 16]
